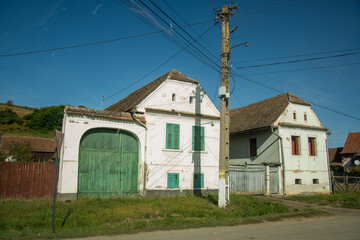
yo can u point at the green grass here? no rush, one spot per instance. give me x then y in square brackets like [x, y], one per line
[84, 217]
[346, 200]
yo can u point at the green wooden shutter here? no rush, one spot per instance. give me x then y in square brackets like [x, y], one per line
[172, 180]
[198, 143]
[198, 180]
[172, 136]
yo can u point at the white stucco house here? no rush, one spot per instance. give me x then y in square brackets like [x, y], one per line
[278, 146]
[160, 139]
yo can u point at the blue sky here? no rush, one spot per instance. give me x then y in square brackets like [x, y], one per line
[275, 30]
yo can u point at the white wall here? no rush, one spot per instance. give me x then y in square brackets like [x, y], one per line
[303, 166]
[74, 128]
[160, 160]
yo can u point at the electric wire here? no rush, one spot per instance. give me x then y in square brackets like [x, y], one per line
[162, 64]
[303, 69]
[299, 60]
[179, 15]
[180, 42]
[95, 43]
[276, 90]
[298, 55]
[211, 60]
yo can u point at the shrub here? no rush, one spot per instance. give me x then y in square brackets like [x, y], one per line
[46, 118]
[7, 116]
[21, 152]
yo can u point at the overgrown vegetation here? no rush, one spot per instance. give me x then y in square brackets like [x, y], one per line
[346, 200]
[22, 152]
[38, 122]
[83, 217]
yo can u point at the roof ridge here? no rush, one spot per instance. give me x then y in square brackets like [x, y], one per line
[135, 98]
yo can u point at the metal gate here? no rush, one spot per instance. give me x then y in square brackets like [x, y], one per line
[108, 164]
[247, 179]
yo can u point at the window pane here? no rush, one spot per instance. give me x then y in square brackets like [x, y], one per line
[253, 151]
[295, 140]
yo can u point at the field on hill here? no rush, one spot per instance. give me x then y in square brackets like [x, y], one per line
[21, 111]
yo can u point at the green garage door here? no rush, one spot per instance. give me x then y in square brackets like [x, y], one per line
[108, 164]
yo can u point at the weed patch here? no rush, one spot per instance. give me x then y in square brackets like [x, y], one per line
[85, 217]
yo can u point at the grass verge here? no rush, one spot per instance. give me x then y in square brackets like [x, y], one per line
[85, 217]
[346, 200]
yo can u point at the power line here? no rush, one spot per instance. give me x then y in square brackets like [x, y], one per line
[315, 104]
[214, 51]
[96, 43]
[181, 29]
[299, 55]
[183, 39]
[302, 69]
[300, 60]
[162, 64]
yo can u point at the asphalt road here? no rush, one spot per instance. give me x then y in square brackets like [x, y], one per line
[344, 225]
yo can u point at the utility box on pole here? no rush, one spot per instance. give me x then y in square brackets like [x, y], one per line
[224, 195]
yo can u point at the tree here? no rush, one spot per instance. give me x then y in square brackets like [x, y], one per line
[10, 102]
[48, 118]
[7, 116]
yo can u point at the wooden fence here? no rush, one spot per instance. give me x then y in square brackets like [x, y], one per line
[346, 184]
[20, 180]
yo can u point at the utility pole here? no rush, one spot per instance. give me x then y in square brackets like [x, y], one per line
[224, 196]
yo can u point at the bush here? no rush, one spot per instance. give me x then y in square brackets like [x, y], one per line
[2, 156]
[48, 118]
[21, 152]
[7, 116]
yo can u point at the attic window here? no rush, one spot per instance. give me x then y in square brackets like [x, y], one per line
[173, 97]
[191, 100]
[305, 116]
[294, 115]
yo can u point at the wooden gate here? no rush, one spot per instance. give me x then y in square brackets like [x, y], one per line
[247, 179]
[346, 184]
[108, 164]
[274, 179]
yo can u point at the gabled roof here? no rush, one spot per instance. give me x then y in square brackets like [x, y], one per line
[352, 144]
[102, 113]
[335, 158]
[261, 114]
[132, 100]
[36, 144]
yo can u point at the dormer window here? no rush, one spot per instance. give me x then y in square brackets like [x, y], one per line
[305, 116]
[173, 97]
[294, 115]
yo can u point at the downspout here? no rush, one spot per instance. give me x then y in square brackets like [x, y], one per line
[282, 157]
[328, 134]
[132, 112]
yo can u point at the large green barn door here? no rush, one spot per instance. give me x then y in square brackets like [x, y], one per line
[108, 164]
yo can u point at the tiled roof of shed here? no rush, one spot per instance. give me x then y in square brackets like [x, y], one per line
[36, 144]
[352, 144]
[261, 114]
[102, 113]
[133, 99]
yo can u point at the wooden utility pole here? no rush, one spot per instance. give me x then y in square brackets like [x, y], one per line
[224, 95]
